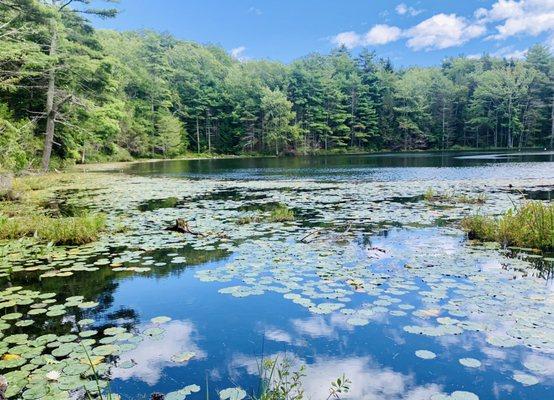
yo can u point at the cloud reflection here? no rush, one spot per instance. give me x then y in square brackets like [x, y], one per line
[369, 380]
[153, 355]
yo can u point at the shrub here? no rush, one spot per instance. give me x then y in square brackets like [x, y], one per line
[530, 225]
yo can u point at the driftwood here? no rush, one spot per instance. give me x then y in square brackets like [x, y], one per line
[182, 226]
[332, 235]
[3, 387]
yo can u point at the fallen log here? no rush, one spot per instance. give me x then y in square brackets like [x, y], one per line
[182, 226]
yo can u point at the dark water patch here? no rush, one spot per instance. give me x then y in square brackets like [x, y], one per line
[157, 204]
[405, 199]
[231, 195]
[540, 194]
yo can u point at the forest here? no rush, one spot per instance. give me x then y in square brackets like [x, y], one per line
[70, 93]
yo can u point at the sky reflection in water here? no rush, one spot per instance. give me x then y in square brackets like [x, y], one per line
[230, 334]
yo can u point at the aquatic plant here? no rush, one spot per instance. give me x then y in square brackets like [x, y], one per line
[61, 231]
[432, 196]
[529, 225]
[278, 381]
[281, 214]
[248, 219]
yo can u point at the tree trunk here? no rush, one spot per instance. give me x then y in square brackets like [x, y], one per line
[51, 110]
[552, 128]
[510, 139]
[443, 123]
[197, 135]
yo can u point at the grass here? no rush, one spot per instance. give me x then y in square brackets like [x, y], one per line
[22, 214]
[529, 225]
[281, 214]
[60, 231]
[249, 219]
[431, 196]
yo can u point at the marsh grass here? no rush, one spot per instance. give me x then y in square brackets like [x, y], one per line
[281, 214]
[249, 219]
[432, 196]
[22, 214]
[529, 225]
[60, 231]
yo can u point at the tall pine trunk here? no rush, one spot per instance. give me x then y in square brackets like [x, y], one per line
[552, 127]
[197, 135]
[51, 110]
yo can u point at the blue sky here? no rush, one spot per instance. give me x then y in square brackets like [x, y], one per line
[420, 32]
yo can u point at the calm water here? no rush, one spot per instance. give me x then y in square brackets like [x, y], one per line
[409, 275]
[379, 167]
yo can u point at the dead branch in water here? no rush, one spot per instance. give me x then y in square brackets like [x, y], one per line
[331, 234]
[182, 226]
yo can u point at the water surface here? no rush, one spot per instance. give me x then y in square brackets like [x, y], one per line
[366, 276]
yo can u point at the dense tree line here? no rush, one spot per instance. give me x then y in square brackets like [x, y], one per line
[81, 94]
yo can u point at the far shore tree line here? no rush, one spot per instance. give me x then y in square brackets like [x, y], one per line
[71, 93]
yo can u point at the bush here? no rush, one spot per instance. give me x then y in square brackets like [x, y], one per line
[530, 225]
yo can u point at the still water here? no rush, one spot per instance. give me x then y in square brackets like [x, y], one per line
[377, 167]
[368, 280]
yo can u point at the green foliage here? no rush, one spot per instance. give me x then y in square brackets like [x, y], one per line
[17, 142]
[281, 214]
[280, 381]
[143, 94]
[431, 196]
[529, 225]
[60, 231]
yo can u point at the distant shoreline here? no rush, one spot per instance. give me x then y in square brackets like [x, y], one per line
[122, 165]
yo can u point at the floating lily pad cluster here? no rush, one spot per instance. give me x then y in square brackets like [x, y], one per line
[49, 365]
[432, 284]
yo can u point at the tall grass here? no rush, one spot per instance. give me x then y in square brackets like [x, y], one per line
[281, 214]
[61, 231]
[529, 225]
[432, 196]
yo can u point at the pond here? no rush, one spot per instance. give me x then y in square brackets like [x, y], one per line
[368, 279]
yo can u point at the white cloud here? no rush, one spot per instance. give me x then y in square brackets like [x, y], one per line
[153, 355]
[524, 17]
[510, 53]
[506, 18]
[382, 34]
[348, 39]
[238, 53]
[403, 9]
[278, 335]
[377, 35]
[442, 31]
[369, 381]
[255, 11]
